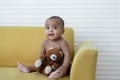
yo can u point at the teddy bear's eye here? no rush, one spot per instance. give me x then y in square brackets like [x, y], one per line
[53, 57]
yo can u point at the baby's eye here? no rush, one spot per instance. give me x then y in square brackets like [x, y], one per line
[47, 27]
[55, 27]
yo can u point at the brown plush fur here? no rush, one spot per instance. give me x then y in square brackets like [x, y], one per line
[47, 61]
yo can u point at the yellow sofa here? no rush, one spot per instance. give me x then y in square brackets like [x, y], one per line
[23, 44]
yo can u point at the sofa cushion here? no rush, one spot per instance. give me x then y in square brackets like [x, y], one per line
[12, 73]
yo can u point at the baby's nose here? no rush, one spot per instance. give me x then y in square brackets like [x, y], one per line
[51, 29]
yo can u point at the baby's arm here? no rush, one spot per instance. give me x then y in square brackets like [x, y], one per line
[42, 50]
[41, 57]
[61, 71]
[67, 57]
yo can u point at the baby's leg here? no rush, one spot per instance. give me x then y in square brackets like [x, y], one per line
[24, 68]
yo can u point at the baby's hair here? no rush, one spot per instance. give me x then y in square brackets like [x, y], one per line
[57, 17]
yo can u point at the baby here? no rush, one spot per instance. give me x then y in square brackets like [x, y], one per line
[54, 28]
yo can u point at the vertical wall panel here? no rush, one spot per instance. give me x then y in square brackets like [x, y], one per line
[95, 21]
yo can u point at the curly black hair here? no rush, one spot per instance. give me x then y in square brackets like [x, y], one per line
[59, 18]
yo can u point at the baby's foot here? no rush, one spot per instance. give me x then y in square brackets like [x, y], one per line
[55, 74]
[22, 68]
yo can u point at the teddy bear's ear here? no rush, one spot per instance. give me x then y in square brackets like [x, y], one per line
[50, 48]
[61, 53]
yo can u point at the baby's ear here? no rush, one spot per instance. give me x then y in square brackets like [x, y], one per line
[63, 30]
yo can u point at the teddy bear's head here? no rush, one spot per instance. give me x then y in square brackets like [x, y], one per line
[54, 55]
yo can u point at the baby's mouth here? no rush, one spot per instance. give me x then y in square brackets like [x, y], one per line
[51, 34]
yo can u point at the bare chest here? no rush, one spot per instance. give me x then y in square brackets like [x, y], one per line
[53, 44]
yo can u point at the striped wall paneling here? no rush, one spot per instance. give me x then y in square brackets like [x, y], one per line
[92, 20]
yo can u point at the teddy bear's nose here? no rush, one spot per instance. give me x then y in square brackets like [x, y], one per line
[53, 57]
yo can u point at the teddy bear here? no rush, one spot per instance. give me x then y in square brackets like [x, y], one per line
[49, 62]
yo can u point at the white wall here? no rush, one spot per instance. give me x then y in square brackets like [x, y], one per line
[97, 21]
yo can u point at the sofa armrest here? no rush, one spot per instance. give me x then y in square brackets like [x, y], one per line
[84, 62]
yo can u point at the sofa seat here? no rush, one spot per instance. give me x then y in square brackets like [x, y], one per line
[12, 73]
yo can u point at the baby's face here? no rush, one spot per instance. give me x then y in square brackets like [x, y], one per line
[53, 29]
